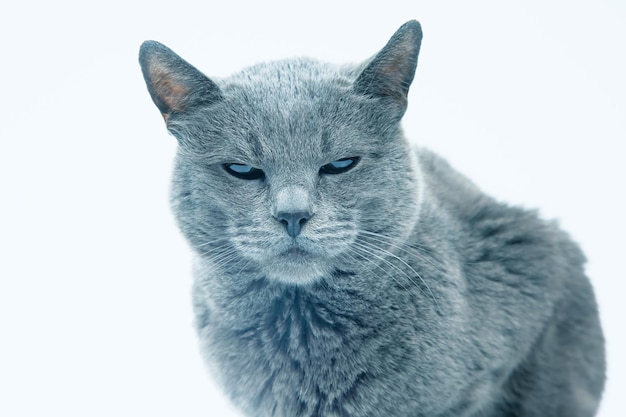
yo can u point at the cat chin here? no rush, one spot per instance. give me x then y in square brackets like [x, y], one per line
[297, 272]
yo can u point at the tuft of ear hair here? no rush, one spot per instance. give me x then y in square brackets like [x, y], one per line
[390, 73]
[174, 85]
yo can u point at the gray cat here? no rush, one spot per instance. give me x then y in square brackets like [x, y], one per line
[341, 273]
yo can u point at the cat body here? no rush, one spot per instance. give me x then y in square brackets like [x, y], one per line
[340, 272]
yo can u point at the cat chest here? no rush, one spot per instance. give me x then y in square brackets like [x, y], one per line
[299, 349]
[312, 357]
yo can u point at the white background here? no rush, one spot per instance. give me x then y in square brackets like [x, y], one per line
[525, 97]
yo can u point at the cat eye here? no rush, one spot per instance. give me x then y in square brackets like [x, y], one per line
[340, 166]
[243, 171]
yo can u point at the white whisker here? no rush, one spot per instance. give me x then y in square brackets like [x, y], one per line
[366, 256]
[409, 249]
[372, 248]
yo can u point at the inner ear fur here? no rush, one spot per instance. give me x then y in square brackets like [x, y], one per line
[174, 85]
[390, 73]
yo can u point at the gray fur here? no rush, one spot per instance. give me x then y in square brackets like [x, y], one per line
[407, 293]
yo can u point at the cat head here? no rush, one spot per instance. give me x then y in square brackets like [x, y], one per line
[291, 168]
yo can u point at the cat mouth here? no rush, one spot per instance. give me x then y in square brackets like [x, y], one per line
[295, 265]
[295, 253]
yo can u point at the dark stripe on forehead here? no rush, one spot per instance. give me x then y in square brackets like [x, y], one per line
[326, 142]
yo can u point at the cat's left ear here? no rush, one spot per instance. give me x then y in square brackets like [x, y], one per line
[390, 73]
[174, 85]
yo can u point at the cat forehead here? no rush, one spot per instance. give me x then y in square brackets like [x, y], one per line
[292, 139]
[290, 80]
[294, 111]
[297, 103]
[292, 71]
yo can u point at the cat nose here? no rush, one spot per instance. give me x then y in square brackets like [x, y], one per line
[293, 221]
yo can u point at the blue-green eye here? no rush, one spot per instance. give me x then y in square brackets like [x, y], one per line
[340, 166]
[243, 171]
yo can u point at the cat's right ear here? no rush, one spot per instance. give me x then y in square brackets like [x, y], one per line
[174, 85]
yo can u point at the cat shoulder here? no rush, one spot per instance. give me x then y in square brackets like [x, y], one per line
[488, 220]
[444, 183]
